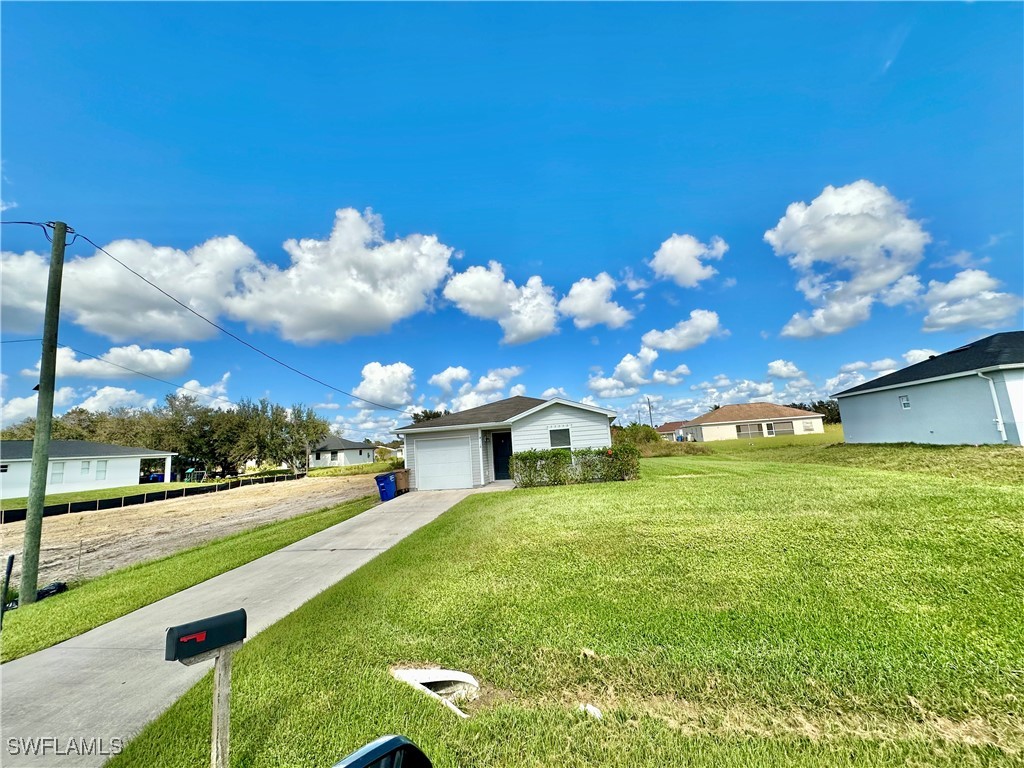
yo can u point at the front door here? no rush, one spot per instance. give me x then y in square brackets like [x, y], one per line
[502, 442]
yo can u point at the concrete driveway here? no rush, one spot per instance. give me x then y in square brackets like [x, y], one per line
[102, 687]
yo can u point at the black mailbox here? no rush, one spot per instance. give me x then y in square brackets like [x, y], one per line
[187, 640]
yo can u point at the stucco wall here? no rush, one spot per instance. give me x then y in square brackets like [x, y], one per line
[120, 471]
[950, 412]
[711, 432]
[587, 429]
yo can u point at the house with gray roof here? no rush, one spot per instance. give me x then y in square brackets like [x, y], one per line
[472, 448]
[336, 451]
[970, 395]
[75, 465]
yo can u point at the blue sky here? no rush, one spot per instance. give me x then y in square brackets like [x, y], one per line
[447, 204]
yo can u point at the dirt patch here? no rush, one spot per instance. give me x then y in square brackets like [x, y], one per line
[89, 544]
[1004, 732]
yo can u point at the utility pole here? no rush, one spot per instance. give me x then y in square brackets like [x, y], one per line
[650, 411]
[44, 422]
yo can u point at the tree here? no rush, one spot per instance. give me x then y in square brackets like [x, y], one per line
[303, 430]
[635, 434]
[827, 408]
[428, 415]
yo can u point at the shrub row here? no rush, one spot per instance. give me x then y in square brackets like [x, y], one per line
[560, 466]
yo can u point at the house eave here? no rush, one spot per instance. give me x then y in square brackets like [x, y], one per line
[946, 377]
[453, 428]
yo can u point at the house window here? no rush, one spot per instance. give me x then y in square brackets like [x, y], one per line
[769, 429]
[808, 425]
[749, 430]
[334, 455]
[3, 467]
[57, 472]
[905, 402]
[101, 470]
[85, 469]
[560, 438]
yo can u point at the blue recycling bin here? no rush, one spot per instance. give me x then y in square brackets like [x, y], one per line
[386, 486]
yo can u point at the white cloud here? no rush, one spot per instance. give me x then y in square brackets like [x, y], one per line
[497, 379]
[368, 423]
[106, 299]
[969, 300]
[680, 258]
[446, 379]
[913, 356]
[6, 205]
[836, 316]
[741, 391]
[353, 283]
[105, 398]
[16, 409]
[326, 406]
[517, 390]
[589, 303]
[217, 392]
[525, 313]
[633, 372]
[963, 260]
[702, 325]
[389, 385]
[151, 362]
[848, 246]
[783, 369]
[553, 392]
[632, 282]
[22, 291]
[356, 282]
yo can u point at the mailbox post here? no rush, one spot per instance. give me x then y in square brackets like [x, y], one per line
[217, 637]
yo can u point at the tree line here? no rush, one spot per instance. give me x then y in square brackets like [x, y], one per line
[262, 431]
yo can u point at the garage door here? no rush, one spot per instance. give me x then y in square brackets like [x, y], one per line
[445, 463]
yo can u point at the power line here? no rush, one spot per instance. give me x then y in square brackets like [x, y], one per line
[154, 378]
[238, 338]
[214, 324]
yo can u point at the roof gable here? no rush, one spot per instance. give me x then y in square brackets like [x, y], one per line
[999, 349]
[500, 412]
[335, 443]
[672, 426]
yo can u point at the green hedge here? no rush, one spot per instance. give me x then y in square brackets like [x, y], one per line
[560, 466]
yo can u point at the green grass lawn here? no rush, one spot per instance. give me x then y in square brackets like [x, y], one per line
[720, 612]
[87, 605]
[375, 468]
[93, 495]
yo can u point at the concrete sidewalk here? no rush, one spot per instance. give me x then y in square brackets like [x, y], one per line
[109, 682]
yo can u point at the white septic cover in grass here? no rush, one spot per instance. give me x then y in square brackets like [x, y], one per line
[445, 685]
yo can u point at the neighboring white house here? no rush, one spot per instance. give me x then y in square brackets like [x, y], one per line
[971, 395]
[472, 448]
[337, 452]
[745, 420]
[672, 431]
[75, 465]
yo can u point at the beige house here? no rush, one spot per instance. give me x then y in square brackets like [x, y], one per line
[746, 420]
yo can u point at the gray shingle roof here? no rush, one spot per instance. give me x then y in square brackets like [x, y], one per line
[335, 443]
[75, 449]
[492, 413]
[997, 349]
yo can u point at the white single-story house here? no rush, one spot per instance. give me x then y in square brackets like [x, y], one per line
[971, 395]
[75, 465]
[672, 431]
[338, 452]
[472, 448]
[745, 420]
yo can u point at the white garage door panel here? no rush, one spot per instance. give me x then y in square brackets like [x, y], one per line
[442, 464]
